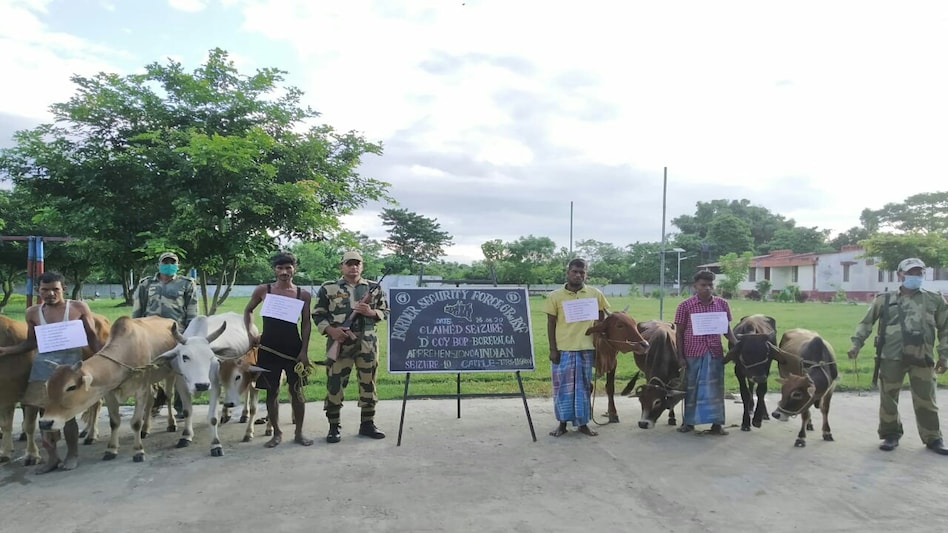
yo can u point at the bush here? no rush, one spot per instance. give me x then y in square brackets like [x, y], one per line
[763, 287]
[754, 295]
[790, 294]
[656, 293]
[840, 296]
[634, 291]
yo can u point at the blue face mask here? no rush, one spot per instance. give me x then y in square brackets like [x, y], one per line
[912, 283]
[168, 269]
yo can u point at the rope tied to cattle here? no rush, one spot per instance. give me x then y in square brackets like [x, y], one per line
[303, 370]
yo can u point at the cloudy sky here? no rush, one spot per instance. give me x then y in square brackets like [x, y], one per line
[497, 114]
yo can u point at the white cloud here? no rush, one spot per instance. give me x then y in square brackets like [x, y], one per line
[190, 6]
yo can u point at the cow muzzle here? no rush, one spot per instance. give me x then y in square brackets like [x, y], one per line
[230, 405]
[646, 424]
[777, 415]
[202, 387]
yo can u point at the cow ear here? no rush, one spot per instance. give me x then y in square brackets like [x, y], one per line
[77, 366]
[639, 390]
[170, 354]
[86, 381]
[811, 390]
[255, 368]
[676, 394]
[598, 328]
[780, 380]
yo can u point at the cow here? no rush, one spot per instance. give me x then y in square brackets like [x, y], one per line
[14, 376]
[618, 332]
[125, 367]
[661, 390]
[752, 354]
[808, 376]
[221, 335]
[193, 360]
[235, 380]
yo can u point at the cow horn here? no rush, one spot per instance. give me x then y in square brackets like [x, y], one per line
[626, 308]
[178, 337]
[215, 334]
[77, 366]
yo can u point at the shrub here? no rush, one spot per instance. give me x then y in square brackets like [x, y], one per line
[763, 287]
[634, 291]
[656, 293]
[840, 296]
[754, 295]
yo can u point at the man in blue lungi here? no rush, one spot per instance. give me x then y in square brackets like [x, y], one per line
[570, 311]
[700, 321]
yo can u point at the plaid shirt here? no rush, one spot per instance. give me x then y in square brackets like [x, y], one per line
[698, 345]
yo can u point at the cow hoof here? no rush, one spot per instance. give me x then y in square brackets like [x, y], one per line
[225, 419]
[613, 419]
[30, 461]
[139, 458]
[800, 443]
[809, 426]
[183, 443]
[88, 440]
[172, 428]
[243, 419]
[247, 438]
[144, 434]
[828, 437]
[83, 433]
[766, 416]
[268, 433]
[22, 437]
[108, 456]
[756, 424]
[217, 452]
[746, 428]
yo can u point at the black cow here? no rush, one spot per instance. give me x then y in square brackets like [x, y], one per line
[662, 374]
[755, 349]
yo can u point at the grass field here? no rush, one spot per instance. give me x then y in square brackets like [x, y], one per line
[835, 322]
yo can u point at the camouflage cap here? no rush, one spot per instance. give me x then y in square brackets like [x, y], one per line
[910, 263]
[168, 255]
[350, 255]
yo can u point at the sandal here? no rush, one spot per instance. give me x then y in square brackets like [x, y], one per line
[685, 428]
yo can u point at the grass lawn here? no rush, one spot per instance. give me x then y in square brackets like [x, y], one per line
[835, 322]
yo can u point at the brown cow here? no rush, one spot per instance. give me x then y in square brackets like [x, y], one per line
[14, 376]
[752, 354]
[661, 390]
[618, 332]
[236, 381]
[126, 366]
[808, 376]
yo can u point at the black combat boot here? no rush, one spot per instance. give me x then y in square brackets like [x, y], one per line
[334, 435]
[368, 429]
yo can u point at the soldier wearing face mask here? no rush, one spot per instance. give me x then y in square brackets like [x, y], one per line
[168, 295]
[911, 318]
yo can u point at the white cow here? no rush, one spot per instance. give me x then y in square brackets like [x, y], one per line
[206, 339]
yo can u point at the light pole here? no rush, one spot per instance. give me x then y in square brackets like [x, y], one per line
[679, 251]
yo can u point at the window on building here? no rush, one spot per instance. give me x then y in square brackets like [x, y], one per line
[939, 273]
[846, 272]
[795, 274]
[881, 276]
[767, 273]
[752, 274]
[891, 276]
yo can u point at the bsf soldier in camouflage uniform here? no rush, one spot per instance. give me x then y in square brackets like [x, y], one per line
[167, 295]
[913, 318]
[335, 301]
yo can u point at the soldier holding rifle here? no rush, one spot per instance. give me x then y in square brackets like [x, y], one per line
[347, 311]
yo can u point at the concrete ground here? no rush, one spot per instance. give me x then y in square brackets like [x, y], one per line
[483, 472]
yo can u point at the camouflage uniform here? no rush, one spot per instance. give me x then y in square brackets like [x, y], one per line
[334, 303]
[174, 299]
[927, 313]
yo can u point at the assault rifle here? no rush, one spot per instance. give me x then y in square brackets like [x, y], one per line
[880, 339]
[332, 353]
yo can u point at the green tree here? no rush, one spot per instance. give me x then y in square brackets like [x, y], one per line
[494, 251]
[213, 163]
[415, 238]
[920, 213]
[734, 267]
[799, 239]
[730, 234]
[849, 237]
[890, 248]
[645, 262]
[762, 223]
[607, 262]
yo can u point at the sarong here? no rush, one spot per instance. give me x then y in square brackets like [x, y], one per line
[572, 383]
[704, 397]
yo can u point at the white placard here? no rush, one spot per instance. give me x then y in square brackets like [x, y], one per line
[580, 310]
[60, 336]
[709, 323]
[281, 308]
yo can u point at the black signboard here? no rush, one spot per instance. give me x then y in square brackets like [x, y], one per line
[459, 330]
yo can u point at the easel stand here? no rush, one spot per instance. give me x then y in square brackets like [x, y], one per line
[458, 395]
